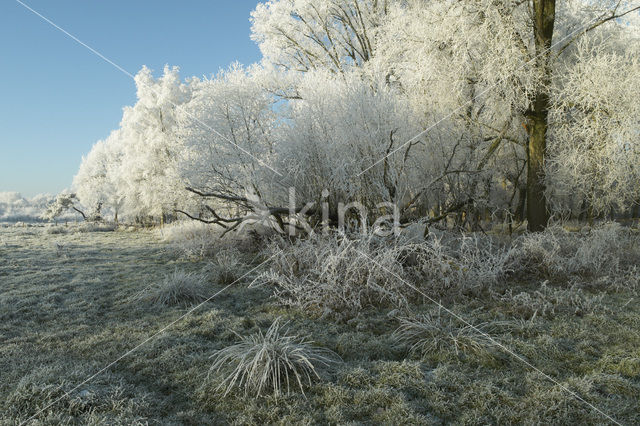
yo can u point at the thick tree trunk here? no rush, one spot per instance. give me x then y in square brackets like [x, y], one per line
[538, 117]
[537, 214]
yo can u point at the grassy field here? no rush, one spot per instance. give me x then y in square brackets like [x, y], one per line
[71, 303]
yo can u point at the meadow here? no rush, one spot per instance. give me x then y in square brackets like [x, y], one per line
[75, 299]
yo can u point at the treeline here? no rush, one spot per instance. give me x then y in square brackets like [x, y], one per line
[444, 110]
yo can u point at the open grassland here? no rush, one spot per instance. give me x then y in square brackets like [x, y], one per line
[71, 303]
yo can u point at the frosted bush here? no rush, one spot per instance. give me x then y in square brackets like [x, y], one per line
[191, 238]
[96, 227]
[82, 228]
[341, 275]
[604, 250]
[539, 252]
[56, 230]
[337, 275]
[547, 301]
[227, 266]
[460, 262]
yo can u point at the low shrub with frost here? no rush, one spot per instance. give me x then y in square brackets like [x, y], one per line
[96, 227]
[226, 267]
[460, 262]
[539, 252]
[82, 228]
[177, 288]
[199, 240]
[271, 362]
[604, 250]
[334, 274]
[340, 275]
[191, 238]
[440, 331]
[56, 230]
[547, 301]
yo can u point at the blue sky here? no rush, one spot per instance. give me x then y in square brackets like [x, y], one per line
[58, 98]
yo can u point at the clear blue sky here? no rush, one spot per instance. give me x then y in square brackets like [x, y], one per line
[57, 98]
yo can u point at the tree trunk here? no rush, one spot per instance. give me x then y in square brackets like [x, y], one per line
[84, 216]
[538, 117]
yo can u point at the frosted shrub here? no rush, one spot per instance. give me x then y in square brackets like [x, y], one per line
[227, 266]
[337, 275]
[177, 288]
[548, 301]
[460, 262]
[271, 362]
[483, 260]
[601, 251]
[539, 252]
[191, 238]
[56, 230]
[96, 227]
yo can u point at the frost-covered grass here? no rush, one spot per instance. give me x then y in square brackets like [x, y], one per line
[439, 331]
[176, 288]
[270, 362]
[69, 306]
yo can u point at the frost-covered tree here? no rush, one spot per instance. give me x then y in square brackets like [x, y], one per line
[150, 181]
[304, 35]
[98, 182]
[63, 202]
[500, 67]
[226, 132]
[337, 130]
[135, 170]
[227, 137]
[594, 156]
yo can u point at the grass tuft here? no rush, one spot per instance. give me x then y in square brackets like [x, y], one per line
[271, 362]
[432, 332]
[177, 288]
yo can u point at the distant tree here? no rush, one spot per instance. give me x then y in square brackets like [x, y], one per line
[63, 202]
[96, 183]
[134, 171]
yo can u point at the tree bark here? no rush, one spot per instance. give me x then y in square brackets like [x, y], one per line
[538, 117]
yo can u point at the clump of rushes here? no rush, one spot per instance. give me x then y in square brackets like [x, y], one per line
[271, 362]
